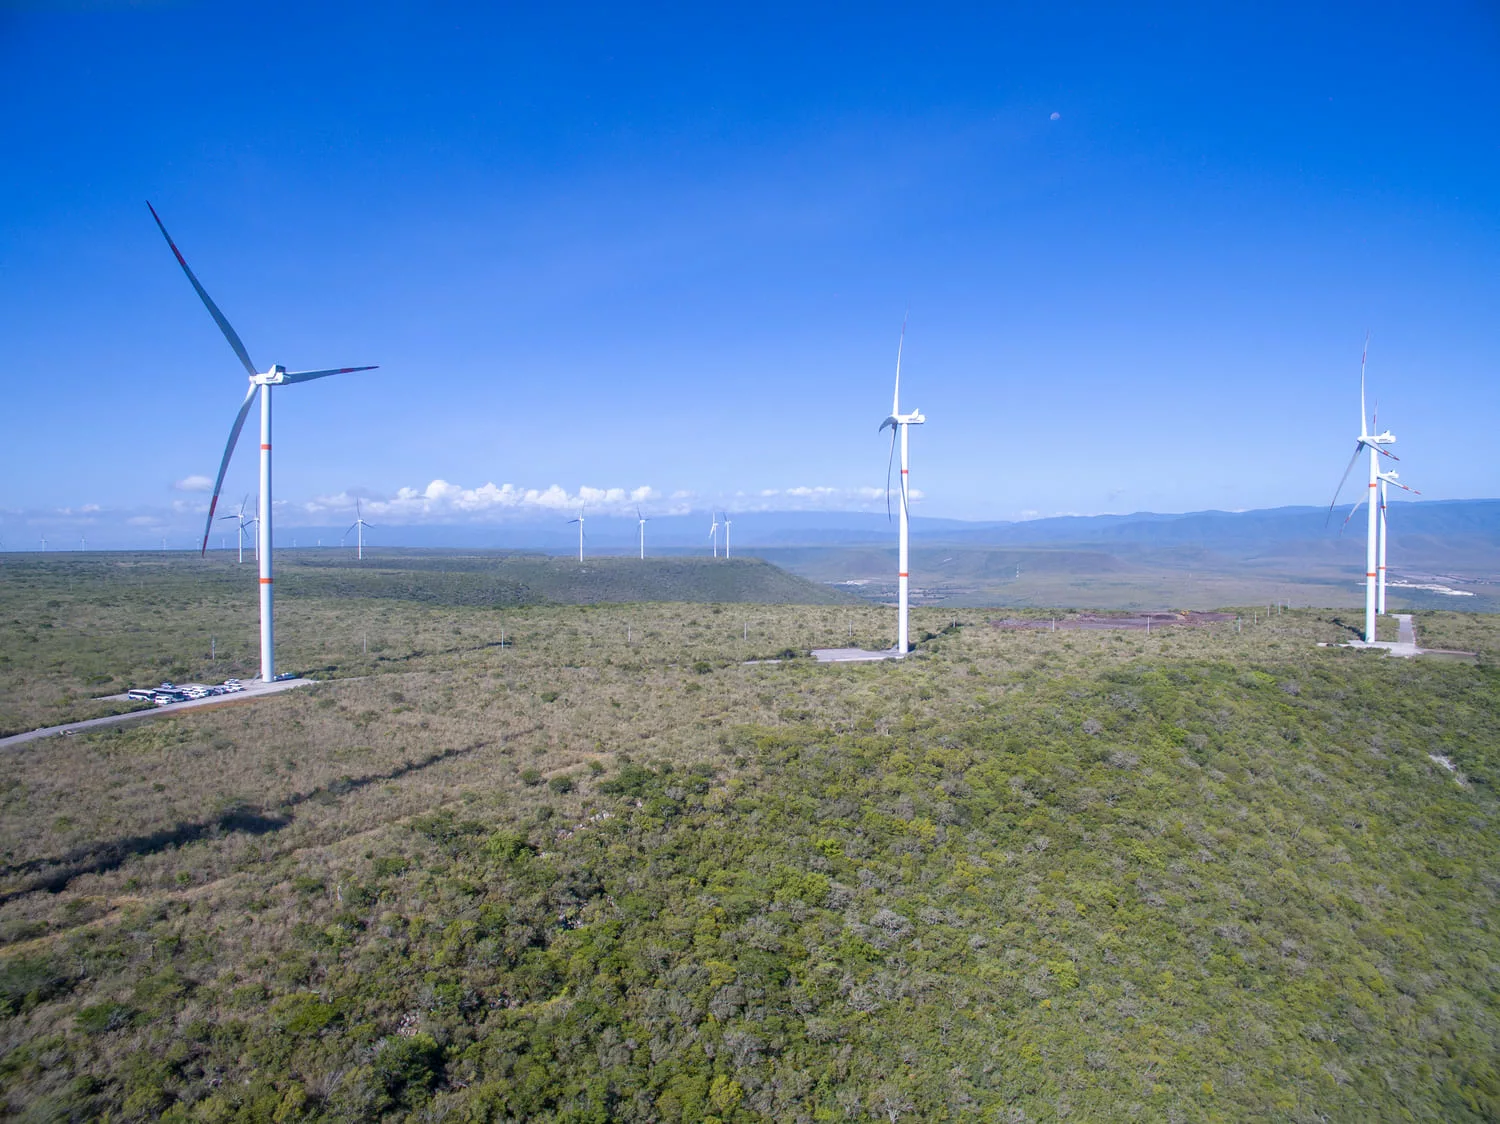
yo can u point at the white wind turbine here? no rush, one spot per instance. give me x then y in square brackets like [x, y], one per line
[642, 520]
[275, 375]
[240, 524]
[727, 525]
[1372, 442]
[713, 534]
[902, 422]
[1386, 479]
[357, 526]
[579, 521]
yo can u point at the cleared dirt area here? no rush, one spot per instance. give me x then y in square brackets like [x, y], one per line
[1096, 622]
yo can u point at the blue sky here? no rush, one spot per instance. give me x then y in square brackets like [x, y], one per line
[594, 248]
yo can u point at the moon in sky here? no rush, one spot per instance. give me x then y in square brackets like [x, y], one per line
[1055, 116]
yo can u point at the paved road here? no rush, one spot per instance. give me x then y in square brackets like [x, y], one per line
[1408, 634]
[252, 691]
[851, 655]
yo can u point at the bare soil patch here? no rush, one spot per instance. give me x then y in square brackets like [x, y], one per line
[1096, 622]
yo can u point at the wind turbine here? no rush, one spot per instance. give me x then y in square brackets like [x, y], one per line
[44, 544]
[579, 521]
[902, 422]
[727, 525]
[713, 534]
[1386, 479]
[275, 375]
[1372, 442]
[83, 543]
[358, 525]
[242, 523]
[642, 520]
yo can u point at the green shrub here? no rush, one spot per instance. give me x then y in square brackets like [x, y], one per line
[407, 1065]
[100, 1018]
[25, 982]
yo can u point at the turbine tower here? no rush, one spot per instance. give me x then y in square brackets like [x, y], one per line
[713, 534]
[902, 423]
[727, 525]
[579, 521]
[1386, 479]
[1372, 442]
[357, 526]
[642, 520]
[275, 375]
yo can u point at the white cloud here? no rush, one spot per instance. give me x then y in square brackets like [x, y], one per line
[443, 501]
[193, 484]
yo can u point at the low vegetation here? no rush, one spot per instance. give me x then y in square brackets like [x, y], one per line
[612, 871]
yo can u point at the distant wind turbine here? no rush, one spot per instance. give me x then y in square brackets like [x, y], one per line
[241, 524]
[357, 526]
[579, 521]
[901, 422]
[275, 375]
[727, 525]
[44, 544]
[642, 520]
[713, 534]
[1372, 442]
[83, 543]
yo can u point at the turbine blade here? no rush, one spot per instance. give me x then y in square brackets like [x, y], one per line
[1403, 487]
[234, 436]
[900, 344]
[1350, 516]
[1363, 355]
[213, 309]
[308, 376]
[1358, 445]
[889, 461]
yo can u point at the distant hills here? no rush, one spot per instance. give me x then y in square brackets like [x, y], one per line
[1443, 554]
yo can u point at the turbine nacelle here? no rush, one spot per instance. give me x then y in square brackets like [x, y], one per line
[279, 375]
[913, 418]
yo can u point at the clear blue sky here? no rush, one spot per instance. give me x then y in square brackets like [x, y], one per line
[619, 249]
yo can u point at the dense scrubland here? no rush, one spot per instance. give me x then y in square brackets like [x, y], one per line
[611, 871]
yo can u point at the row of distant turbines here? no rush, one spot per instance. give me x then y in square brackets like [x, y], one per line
[642, 520]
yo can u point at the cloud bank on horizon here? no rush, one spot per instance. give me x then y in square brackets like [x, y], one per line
[442, 502]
